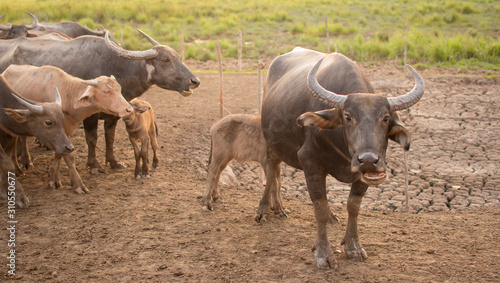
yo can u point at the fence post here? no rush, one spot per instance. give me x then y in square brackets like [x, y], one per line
[240, 39]
[183, 58]
[221, 100]
[327, 34]
[260, 91]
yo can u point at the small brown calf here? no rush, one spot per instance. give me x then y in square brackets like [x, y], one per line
[141, 126]
[239, 137]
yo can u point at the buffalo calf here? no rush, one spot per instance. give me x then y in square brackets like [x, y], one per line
[239, 137]
[141, 126]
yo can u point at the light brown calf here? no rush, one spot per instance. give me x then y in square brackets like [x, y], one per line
[239, 137]
[141, 126]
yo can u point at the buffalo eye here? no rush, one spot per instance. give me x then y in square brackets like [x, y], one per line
[387, 119]
[107, 91]
[49, 123]
[348, 118]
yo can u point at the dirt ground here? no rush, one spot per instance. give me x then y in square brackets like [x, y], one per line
[154, 230]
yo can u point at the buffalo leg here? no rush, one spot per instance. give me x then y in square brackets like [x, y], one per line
[217, 164]
[7, 170]
[76, 181]
[272, 170]
[90, 126]
[353, 248]
[109, 136]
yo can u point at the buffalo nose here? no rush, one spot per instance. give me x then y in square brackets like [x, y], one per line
[195, 81]
[70, 148]
[368, 158]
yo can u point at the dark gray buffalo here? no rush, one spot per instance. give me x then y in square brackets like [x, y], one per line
[15, 31]
[320, 115]
[89, 57]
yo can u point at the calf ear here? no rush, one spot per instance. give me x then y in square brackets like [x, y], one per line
[398, 132]
[141, 109]
[85, 100]
[324, 119]
[20, 115]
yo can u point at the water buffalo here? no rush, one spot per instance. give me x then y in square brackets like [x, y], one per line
[22, 117]
[80, 99]
[141, 126]
[15, 31]
[88, 57]
[320, 115]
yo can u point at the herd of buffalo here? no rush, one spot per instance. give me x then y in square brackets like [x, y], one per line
[320, 115]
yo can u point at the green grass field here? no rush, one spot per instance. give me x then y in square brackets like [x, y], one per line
[462, 34]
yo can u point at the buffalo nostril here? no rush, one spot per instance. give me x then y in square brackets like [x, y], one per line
[129, 110]
[70, 148]
[368, 158]
[195, 81]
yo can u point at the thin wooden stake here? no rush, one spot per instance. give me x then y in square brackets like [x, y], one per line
[183, 58]
[221, 100]
[240, 40]
[327, 35]
[406, 180]
[260, 90]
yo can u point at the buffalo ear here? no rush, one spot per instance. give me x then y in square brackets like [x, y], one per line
[141, 109]
[85, 100]
[20, 115]
[398, 132]
[324, 119]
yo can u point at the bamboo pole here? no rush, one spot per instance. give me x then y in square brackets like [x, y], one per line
[221, 100]
[327, 34]
[183, 58]
[240, 40]
[260, 90]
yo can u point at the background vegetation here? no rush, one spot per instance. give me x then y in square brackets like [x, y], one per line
[451, 33]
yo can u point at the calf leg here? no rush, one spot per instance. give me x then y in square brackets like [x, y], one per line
[11, 149]
[353, 248]
[90, 126]
[8, 180]
[53, 174]
[154, 146]
[76, 182]
[272, 170]
[144, 156]
[109, 135]
[137, 155]
[217, 164]
[25, 158]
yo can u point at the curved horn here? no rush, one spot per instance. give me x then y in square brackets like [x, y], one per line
[35, 108]
[34, 23]
[325, 96]
[58, 96]
[95, 32]
[149, 38]
[134, 55]
[91, 83]
[406, 100]
[7, 27]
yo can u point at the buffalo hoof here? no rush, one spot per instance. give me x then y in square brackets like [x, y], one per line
[55, 184]
[23, 201]
[354, 250]
[207, 208]
[82, 190]
[117, 165]
[324, 258]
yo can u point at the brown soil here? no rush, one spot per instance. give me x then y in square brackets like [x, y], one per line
[154, 229]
